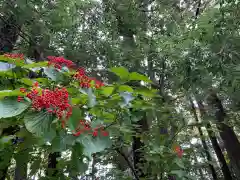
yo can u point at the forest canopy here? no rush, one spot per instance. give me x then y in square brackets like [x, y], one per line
[119, 90]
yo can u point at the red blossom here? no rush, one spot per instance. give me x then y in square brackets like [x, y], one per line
[84, 126]
[14, 56]
[55, 102]
[19, 99]
[95, 133]
[85, 81]
[58, 62]
[22, 90]
[179, 151]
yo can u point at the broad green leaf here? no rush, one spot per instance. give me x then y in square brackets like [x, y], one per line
[39, 123]
[34, 65]
[5, 93]
[26, 81]
[94, 144]
[74, 119]
[77, 165]
[10, 107]
[121, 72]
[125, 88]
[107, 91]
[138, 77]
[53, 74]
[59, 143]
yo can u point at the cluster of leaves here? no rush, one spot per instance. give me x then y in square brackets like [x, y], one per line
[47, 115]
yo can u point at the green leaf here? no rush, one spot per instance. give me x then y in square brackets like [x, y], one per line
[179, 163]
[74, 119]
[107, 91]
[91, 98]
[138, 77]
[59, 143]
[10, 107]
[53, 74]
[35, 65]
[39, 123]
[179, 173]
[146, 92]
[7, 93]
[125, 88]
[26, 81]
[35, 166]
[94, 144]
[121, 72]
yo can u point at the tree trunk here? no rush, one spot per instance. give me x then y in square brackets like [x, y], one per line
[9, 32]
[227, 134]
[224, 167]
[52, 164]
[206, 149]
[21, 165]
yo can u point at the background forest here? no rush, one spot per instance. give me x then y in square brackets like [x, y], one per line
[164, 102]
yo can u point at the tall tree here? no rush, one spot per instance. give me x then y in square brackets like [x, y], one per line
[227, 134]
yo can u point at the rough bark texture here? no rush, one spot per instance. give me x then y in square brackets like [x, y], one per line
[224, 167]
[9, 31]
[227, 134]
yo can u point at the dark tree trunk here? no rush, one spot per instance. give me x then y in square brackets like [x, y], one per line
[206, 149]
[224, 167]
[21, 165]
[227, 134]
[9, 32]
[52, 170]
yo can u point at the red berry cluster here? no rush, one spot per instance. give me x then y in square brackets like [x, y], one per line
[179, 151]
[58, 62]
[55, 102]
[84, 126]
[85, 81]
[14, 56]
[20, 98]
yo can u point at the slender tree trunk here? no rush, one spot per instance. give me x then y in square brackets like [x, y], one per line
[21, 165]
[52, 170]
[206, 149]
[225, 169]
[227, 134]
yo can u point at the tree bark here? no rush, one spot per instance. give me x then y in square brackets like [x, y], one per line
[227, 134]
[9, 32]
[21, 165]
[206, 149]
[52, 170]
[224, 167]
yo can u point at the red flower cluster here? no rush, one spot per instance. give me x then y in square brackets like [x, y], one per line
[14, 56]
[84, 126]
[85, 81]
[179, 151]
[58, 62]
[55, 102]
[20, 98]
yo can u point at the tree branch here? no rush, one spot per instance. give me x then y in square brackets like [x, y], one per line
[128, 162]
